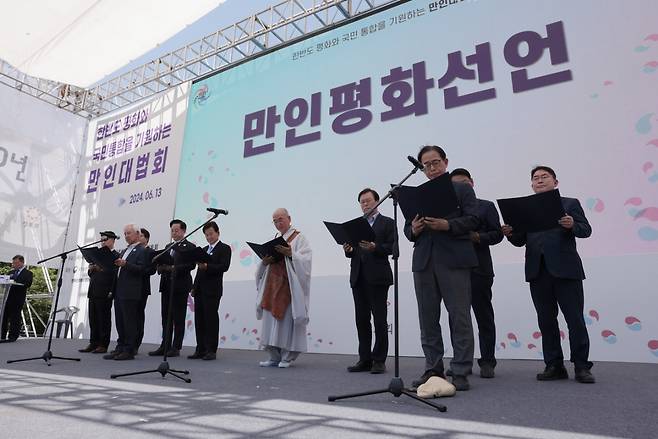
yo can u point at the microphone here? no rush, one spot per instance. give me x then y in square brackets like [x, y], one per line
[217, 211]
[416, 163]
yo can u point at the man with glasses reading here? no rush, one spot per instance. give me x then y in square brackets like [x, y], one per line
[442, 262]
[555, 273]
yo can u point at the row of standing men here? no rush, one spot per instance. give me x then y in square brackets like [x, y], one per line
[451, 264]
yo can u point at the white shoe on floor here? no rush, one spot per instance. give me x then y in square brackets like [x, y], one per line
[284, 364]
[268, 363]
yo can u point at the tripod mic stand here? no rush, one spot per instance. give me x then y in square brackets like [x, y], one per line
[164, 369]
[48, 355]
[396, 386]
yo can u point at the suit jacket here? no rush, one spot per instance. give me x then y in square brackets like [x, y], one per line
[490, 234]
[149, 270]
[101, 283]
[557, 246]
[25, 278]
[131, 276]
[209, 282]
[374, 265]
[183, 281]
[453, 247]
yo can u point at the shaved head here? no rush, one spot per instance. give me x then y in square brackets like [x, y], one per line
[281, 220]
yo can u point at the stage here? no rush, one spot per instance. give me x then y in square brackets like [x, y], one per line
[234, 398]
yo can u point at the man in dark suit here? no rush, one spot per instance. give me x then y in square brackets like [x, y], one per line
[487, 234]
[555, 272]
[207, 292]
[182, 288]
[127, 294]
[442, 262]
[11, 319]
[149, 270]
[101, 285]
[370, 278]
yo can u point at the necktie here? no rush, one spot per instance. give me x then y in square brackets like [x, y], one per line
[210, 247]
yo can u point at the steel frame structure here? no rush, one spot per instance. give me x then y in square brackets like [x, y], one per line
[281, 24]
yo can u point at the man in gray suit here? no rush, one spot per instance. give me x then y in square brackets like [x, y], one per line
[128, 294]
[442, 262]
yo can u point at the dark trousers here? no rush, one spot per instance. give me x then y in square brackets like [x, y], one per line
[100, 321]
[206, 322]
[433, 285]
[484, 315]
[549, 293]
[371, 299]
[141, 320]
[126, 311]
[178, 310]
[11, 319]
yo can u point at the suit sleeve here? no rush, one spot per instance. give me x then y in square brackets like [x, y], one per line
[581, 227]
[29, 279]
[222, 263]
[384, 247]
[407, 231]
[493, 234]
[139, 265]
[468, 221]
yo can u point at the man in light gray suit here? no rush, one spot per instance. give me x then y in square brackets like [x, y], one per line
[442, 261]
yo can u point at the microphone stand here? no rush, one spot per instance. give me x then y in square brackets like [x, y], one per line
[396, 386]
[48, 355]
[164, 369]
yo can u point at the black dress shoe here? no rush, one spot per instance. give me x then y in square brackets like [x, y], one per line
[111, 355]
[89, 348]
[173, 353]
[210, 356]
[196, 355]
[361, 366]
[124, 356]
[584, 376]
[378, 367]
[99, 350]
[552, 373]
[424, 377]
[487, 371]
[156, 353]
[460, 382]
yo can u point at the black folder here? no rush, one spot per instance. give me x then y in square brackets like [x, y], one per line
[534, 213]
[435, 198]
[267, 249]
[97, 256]
[186, 253]
[351, 232]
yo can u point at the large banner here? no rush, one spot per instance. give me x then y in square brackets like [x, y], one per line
[502, 86]
[128, 175]
[40, 148]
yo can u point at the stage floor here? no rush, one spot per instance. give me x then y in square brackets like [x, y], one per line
[234, 398]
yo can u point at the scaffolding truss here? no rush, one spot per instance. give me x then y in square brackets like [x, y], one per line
[280, 24]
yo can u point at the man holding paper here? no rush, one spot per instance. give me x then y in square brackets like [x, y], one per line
[370, 278]
[99, 294]
[442, 262]
[283, 295]
[555, 273]
[207, 292]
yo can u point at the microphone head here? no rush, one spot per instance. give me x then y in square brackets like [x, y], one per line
[416, 163]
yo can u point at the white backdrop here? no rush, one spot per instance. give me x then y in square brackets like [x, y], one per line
[40, 149]
[128, 174]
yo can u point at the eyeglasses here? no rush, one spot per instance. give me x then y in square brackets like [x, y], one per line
[432, 164]
[279, 220]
